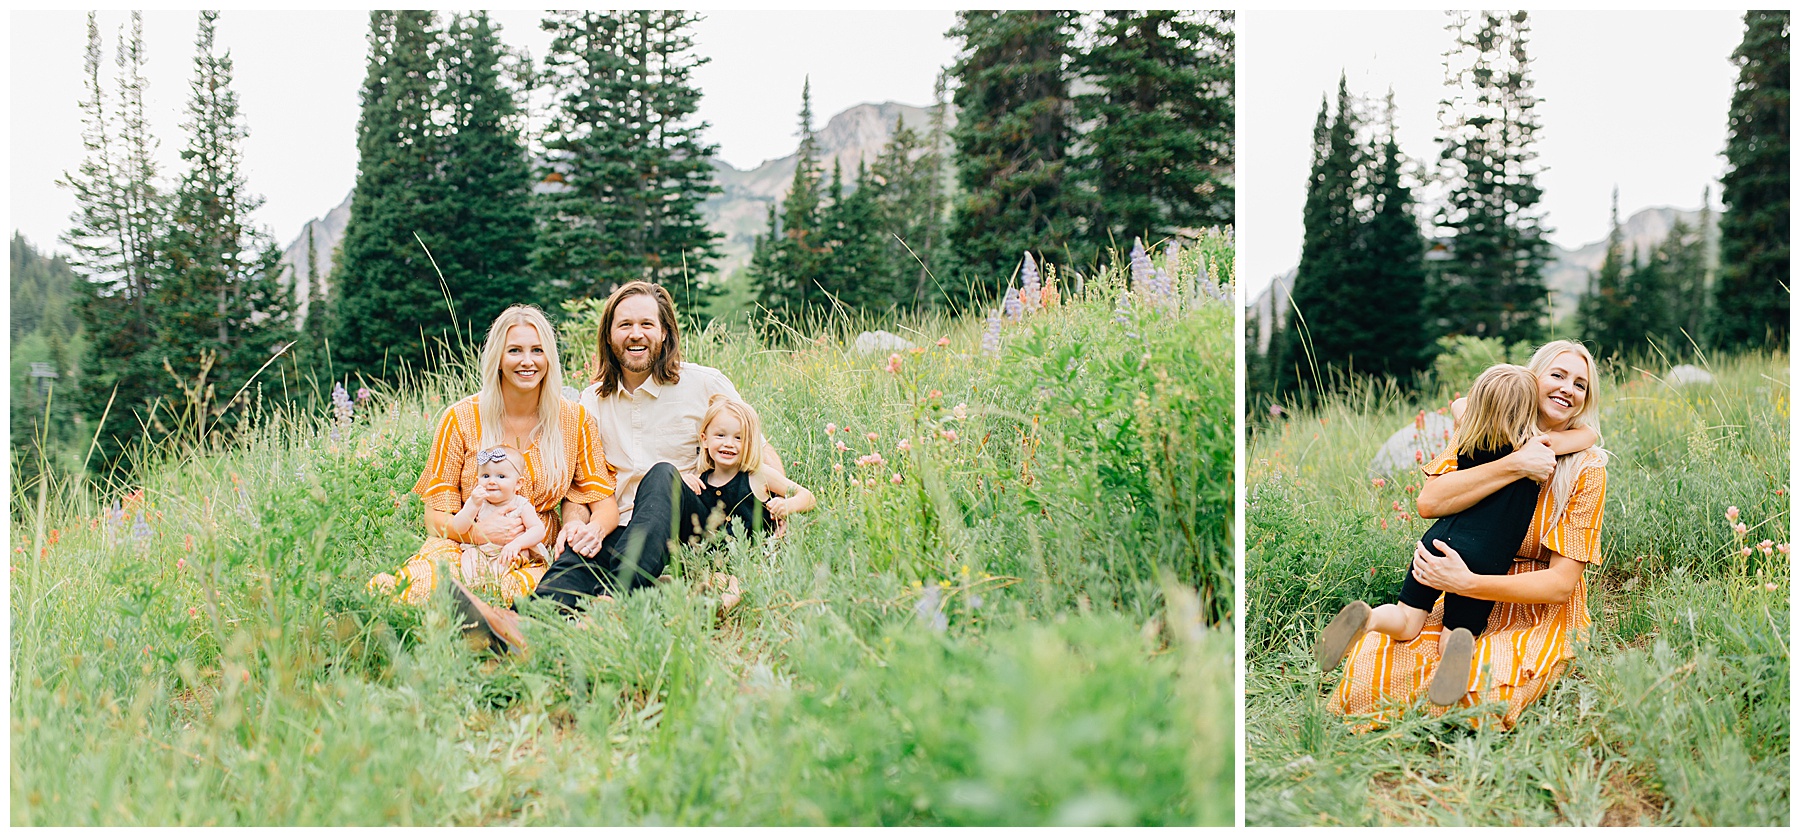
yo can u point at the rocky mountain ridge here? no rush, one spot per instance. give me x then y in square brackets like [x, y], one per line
[739, 211]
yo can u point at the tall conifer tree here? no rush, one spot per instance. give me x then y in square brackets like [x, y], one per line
[1492, 284]
[115, 229]
[222, 311]
[1390, 274]
[789, 259]
[1160, 150]
[389, 306]
[624, 156]
[1315, 342]
[1753, 293]
[481, 234]
[1012, 137]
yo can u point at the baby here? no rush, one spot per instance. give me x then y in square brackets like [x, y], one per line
[482, 566]
[1502, 415]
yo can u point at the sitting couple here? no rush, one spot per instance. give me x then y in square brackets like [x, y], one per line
[1494, 598]
[653, 452]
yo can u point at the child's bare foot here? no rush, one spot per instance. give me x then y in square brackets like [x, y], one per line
[383, 584]
[1451, 681]
[729, 594]
[1345, 629]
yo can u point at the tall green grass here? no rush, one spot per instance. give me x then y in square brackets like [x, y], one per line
[1676, 712]
[1028, 627]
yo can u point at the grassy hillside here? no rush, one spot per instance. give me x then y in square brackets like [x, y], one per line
[1675, 713]
[1019, 616]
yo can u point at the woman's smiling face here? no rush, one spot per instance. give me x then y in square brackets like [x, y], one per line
[523, 361]
[1563, 390]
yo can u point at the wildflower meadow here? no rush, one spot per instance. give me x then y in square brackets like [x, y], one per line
[1675, 709]
[1014, 604]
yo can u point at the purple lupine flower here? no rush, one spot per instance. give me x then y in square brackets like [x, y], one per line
[140, 528]
[1140, 267]
[929, 610]
[990, 339]
[1033, 289]
[1014, 307]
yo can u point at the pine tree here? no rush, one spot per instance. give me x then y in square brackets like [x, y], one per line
[314, 340]
[1751, 297]
[856, 270]
[1390, 276]
[221, 310]
[389, 306]
[1012, 139]
[1688, 292]
[114, 233]
[1159, 156]
[905, 193]
[790, 258]
[1316, 341]
[1606, 311]
[1492, 284]
[481, 234]
[625, 159]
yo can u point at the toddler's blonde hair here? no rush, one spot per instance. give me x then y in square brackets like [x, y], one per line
[749, 425]
[1502, 411]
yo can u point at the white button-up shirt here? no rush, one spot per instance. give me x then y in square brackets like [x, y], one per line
[656, 423]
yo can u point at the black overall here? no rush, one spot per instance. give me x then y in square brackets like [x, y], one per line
[1487, 535]
[737, 503]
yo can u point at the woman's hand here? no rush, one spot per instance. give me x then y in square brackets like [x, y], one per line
[1535, 460]
[1446, 572]
[500, 529]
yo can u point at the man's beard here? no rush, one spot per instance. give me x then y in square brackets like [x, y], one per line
[626, 361]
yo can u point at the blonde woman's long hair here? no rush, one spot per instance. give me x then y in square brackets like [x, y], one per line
[1569, 466]
[1502, 413]
[749, 426]
[491, 406]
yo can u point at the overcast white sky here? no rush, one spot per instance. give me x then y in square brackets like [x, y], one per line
[1636, 99]
[298, 73]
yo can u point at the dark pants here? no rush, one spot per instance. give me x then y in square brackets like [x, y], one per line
[665, 512]
[1459, 611]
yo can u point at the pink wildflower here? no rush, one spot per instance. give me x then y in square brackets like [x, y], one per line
[1419, 457]
[1782, 548]
[893, 366]
[1379, 482]
[1396, 505]
[1744, 552]
[873, 436]
[905, 444]
[960, 411]
[830, 427]
[838, 467]
[1770, 587]
[1739, 528]
[949, 436]
[181, 563]
[193, 613]
[943, 341]
[1731, 514]
[896, 479]
[841, 447]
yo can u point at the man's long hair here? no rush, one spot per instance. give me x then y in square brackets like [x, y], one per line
[606, 370]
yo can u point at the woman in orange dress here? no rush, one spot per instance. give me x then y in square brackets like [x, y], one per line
[1541, 609]
[520, 404]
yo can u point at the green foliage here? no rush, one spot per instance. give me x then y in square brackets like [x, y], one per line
[1752, 295]
[909, 653]
[1461, 358]
[45, 330]
[1674, 712]
[791, 259]
[439, 226]
[625, 164]
[221, 311]
[1013, 132]
[1491, 285]
[1160, 154]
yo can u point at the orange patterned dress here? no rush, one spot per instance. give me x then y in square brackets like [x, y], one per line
[450, 474]
[1525, 646]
